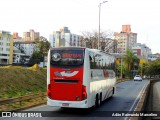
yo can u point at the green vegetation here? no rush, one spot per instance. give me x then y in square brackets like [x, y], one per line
[132, 65]
[42, 47]
[151, 68]
[20, 81]
[129, 65]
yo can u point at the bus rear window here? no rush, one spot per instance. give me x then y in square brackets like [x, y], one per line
[67, 57]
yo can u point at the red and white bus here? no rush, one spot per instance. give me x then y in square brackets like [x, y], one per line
[79, 77]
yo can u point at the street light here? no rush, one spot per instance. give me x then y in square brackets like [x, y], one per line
[99, 21]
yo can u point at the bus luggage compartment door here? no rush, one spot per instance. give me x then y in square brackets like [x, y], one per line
[67, 90]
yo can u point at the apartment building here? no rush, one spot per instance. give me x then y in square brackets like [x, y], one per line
[64, 37]
[125, 39]
[6, 47]
[31, 35]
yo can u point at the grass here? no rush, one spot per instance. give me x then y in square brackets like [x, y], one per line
[15, 82]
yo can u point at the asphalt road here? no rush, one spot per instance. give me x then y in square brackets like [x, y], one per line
[124, 100]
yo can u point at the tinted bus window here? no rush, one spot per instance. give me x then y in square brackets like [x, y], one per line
[67, 57]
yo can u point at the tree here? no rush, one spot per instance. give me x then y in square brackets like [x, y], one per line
[42, 47]
[130, 60]
[36, 58]
[90, 40]
[152, 68]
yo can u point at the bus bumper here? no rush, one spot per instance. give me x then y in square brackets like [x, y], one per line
[68, 104]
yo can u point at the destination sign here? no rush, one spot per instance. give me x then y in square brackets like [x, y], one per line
[66, 55]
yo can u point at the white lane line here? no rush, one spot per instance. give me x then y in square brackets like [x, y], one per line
[126, 118]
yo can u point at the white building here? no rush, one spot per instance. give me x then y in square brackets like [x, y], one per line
[18, 56]
[26, 47]
[64, 37]
[23, 51]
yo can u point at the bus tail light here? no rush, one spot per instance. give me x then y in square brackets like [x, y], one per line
[84, 93]
[49, 91]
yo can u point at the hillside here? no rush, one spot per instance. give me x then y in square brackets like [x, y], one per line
[18, 81]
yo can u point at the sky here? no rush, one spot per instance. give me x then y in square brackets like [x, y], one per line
[46, 16]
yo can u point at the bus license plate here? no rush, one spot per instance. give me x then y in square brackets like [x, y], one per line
[65, 104]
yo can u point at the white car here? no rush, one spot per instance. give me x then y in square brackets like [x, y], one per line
[137, 78]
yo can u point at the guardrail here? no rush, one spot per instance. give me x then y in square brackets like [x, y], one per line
[20, 103]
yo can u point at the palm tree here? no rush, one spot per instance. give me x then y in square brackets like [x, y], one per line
[130, 60]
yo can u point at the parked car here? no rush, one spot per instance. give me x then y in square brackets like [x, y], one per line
[137, 78]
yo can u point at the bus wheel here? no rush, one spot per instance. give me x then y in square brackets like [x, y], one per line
[98, 101]
[112, 92]
[100, 98]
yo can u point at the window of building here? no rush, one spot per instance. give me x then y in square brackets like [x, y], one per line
[7, 49]
[8, 44]
[8, 38]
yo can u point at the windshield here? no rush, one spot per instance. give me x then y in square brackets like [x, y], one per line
[67, 57]
[137, 76]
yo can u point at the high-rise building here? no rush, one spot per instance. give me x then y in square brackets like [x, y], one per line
[6, 47]
[31, 35]
[64, 37]
[126, 28]
[125, 39]
[15, 35]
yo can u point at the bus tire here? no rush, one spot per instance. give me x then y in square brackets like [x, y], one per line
[100, 98]
[97, 102]
[112, 92]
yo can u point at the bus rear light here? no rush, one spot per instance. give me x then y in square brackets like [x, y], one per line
[49, 91]
[84, 93]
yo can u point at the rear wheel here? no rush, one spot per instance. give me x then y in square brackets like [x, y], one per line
[100, 98]
[97, 101]
[112, 92]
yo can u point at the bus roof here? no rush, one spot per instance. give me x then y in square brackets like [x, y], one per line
[66, 48]
[99, 51]
[90, 49]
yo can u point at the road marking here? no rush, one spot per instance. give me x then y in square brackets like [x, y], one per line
[126, 118]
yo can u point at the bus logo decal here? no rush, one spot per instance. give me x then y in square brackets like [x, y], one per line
[66, 74]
